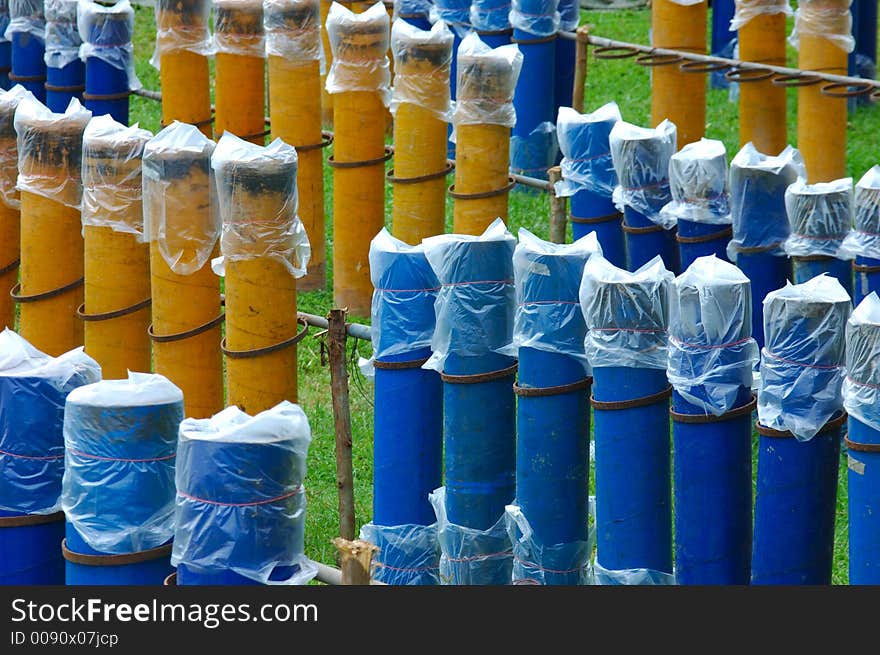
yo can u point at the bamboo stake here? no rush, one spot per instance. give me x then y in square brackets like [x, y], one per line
[336, 337]
[580, 67]
[356, 557]
[558, 208]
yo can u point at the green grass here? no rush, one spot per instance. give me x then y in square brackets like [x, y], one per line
[622, 81]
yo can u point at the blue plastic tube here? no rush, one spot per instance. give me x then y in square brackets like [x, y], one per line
[456, 13]
[592, 212]
[700, 240]
[30, 549]
[866, 274]
[569, 12]
[107, 85]
[806, 268]
[645, 240]
[490, 20]
[767, 272]
[5, 64]
[65, 71]
[86, 566]
[63, 84]
[28, 67]
[723, 38]
[863, 484]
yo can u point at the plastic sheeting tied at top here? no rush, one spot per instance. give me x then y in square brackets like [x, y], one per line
[473, 318]
[802, 362]
[293, 30]
[861, 386]
[244, 171]
[240, 498]
[584, 142]
[33, 389]
[182, 27]
[359, 44]
[490, 15]
[746, 10]
[120, 439]
[50, 150]
[538, 18]
[62, 36]
[433, 48]
[178, 158]
[820, 218]
[641, 159]
[711, 349]
[9, 101]
[112, 174]
[820, 19]
[698, 182]
[485, 83]
[626, 314]
[238, 28]
[26, 17]
[106, 34]
[864, 239]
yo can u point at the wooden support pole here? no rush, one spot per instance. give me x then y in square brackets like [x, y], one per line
[336, 338]
[580, 67]
[558, 208]
[356, 557]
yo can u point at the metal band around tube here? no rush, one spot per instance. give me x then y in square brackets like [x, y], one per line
[706, 238]
[830, 426]
[30, 519]
[11, 266]
[122, 95]
[326, 140]
[629, 229]
[106, 316]
[479, 377]
[114, 560]
[745, 410]
[595, 220]
[540, 392]
[635, 402]
[167, 338]
[484, 194]
[268, 350]
[37, 297]
[862, 447]
[399, 366]
[421, 178]
[858, 268]
[389, 152]
[64, 89]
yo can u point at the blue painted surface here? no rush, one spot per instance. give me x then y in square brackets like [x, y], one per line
[767, 272]
[27, 61]
[688, 252]
[838, 268]
[864, 283]
[642, 248]
[863, 490]
[31, 555]
[110, 31]
[587, 204]
[5, 64]
[723, 39]
[151, 572]
[72, 75]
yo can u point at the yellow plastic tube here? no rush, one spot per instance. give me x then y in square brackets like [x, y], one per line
[10, 202]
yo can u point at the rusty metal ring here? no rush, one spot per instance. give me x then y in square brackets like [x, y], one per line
[268, 350]
[122, 95]
[747, 75]
[11, 266]
[850, 90]
[119, 313]
[168, 338]
[389, 152]
[326, 140]
[796, 80]
[703, 66]
[615, 52]
[46, 295]
[483, 195]
[656, 59]
[421, 178]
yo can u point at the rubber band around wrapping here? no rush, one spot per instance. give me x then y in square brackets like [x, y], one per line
[106, 316]
[26, 78]
[30, 519]
[122, 95]
[540, 392]
[64, 89]
[38, 458]
[644, 401]
[399, 366]
[745, 410]
[114, 560]
[480, 558]
[595, 220]
[298, 490]
[326, 140]
[484, 194]
[824, 367]
[389, 152]
[830, 426]
[479, 377]
[629, 229]
[258, 352]
[852, 445]
[533, 565]
[144, 460]
[167, 338]
[46, 295]
[706, 238]
[11, 266]
[421, 178]
[858, 268]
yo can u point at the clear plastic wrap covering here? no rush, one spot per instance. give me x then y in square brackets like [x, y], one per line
[569, 15]
[120, 440]
[820, 217]
[26, 17]
[831, 21]
[861, 386]
[577, 135]
[631, 577]
[485, 83]
[746, 10]
[802, 362]
[359, 44]
[4, 20]
[33, 388]
[50, 150]
[698, 184]
[106, 33]
[249, 176]
[417, 550]
[864, 239]
[711, 349]
[456, 13]
[238, 28]
[756, 180]
[626, 313]
[182, 26]
[168, 156]
[408, 9]
[111, 175]
[474, 317]
[62, 36]
[9, 101]
[433, 49]
[641, 159]
[490, 15]
[555, 326]
[538, 18]
[470, 556]
[537, 563]
[240, 498]
[293, 30]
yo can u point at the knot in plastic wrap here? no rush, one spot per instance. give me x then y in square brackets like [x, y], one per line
[455, 13]
[864, 239]
[757, 198]
[240, 498]
[698, 184]
[569, 15]
[33, 389]
[746, 10]
[826, 19]
[711, 349]
[26, 17]
[293, 30]
[548, 278]
[408, 554]
[9, 101]
[626, 314]
[539, 18]
[486, 81]
[422, 62]
[584, 140]
[180, 212]
[238, 28]
[490, 15]
[111, 175]
[641, 159]
[62, 36]
[106, 33]
[861, 387]
[50, 150]
[359, 43]
[405, 289]
[182, 26]
[475, 304]
[256, 188]
[120, 439]
[803, 356]
[820, 217]
[412, 9]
